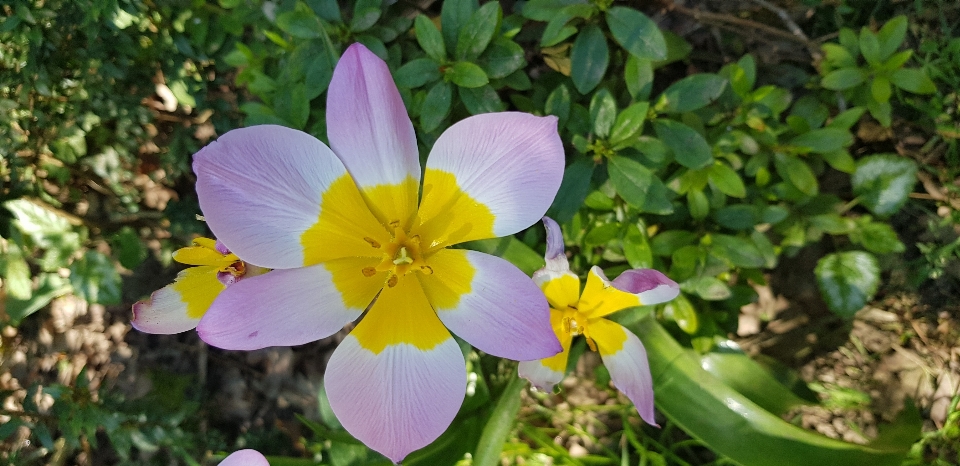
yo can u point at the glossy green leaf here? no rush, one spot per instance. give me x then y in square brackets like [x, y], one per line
[429, 38]
[629, 124]
[732, 425]
[664, 244]
[878, 238]
[466, 74]
[417, 72]
[638, 75]
[291, 104]
[559, 29]
[689, 148]
[502, 58]
[913, 80]
[558, 104]
[601, 234]
[631, 179]
[880, 89]
[300, 22]
[476, 34]
[483, 99]
[883, 182]
[823, 140]
[510, 249]
[843, 78]
[737, 216]
[840, 160]
[691, 93]
[589, 59]
[847, 280]
[727, 180]
[797, 173]
[870, 47]
[847, 118]
[365, 15]
[573, 190]
[453, 15]
[739, 251]
[436, 105]
[16, 273]
[683, 313]
[545, 10]
[603, 112]
[637, 248]
[698, 204]
[51, 286]
[838, 56]
[750, 379]
[636, 33]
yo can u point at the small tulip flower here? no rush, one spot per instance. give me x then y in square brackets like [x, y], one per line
[348, 231]
[178, 307]
[573, 313]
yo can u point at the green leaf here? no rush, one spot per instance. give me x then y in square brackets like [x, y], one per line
[891, 36]
[741, 252]
[589, 59]
[880, 89]
[689, 148]
[838, 56]
[453, 15]
[883, 182]
[501, 422]
[682, 312]
[726, 180]
[870, 47]
[737, 216]
[636, 248]
[797, 173]
[476, 34]
[502, 58]
[545, 10]
[46, 228]
[559, 29]
[51, 286]
[913, 80]
[603, 112]
[878, 238]
[698, 204]
[291, 104]
[629, 124]
[709, 288]
[844, 78]
[691, 93]
[636, 33]
[847, 281]
[840, 160]
[510, 249]
[631, 179]
[665, 243]
[601, 235]
[573, 190]
[16, 275]
[638, 75]
[430, 39]
[466, 74]
[436, 105]
[483, 99]
[128, 248]
[558, 104]
[300, 22]
[823, 140]
[847, 118]
[416, 73]
[750, 379]
[732, 425]
[365, 15]
[95, 279]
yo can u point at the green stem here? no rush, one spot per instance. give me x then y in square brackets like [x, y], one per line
[501, 422]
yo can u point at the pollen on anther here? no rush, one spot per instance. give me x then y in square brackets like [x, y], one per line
[372, 242]
[392, 281]
[426, 269]
[369, 271]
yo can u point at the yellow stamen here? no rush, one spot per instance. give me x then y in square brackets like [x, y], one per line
[372, 242]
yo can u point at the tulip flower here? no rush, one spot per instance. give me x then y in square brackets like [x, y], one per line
[573, 313]
[348, 232]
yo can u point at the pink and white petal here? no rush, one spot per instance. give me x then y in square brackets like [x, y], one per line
[509, 163]
[260, 188]
[498, 309]
[545, 373]
[651, 286]
[561, 287]
[245, 458]
[178, 306]
[285, 307]
[369, 129]
[626, 359]
[398, 400]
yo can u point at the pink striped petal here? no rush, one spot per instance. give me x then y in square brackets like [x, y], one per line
[260, 189]
[368, 128]
[626, 359]
[179, 306]
[504, 313]
[245, 458]
[510, 163]
[280, 308]
[398, 400]
[545, 373]
[556, 264]
[651, 286]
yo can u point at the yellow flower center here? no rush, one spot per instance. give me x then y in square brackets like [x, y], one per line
[401, 256]
[575, 323]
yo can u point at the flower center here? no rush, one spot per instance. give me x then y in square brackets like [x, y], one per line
[230, 274]
[575, 323]
[401, 256]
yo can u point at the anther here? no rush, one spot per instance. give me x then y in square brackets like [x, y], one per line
[395, 223]
[369, 271]
[392, 281]
[426, 269]
[592, 344]
[372, 242]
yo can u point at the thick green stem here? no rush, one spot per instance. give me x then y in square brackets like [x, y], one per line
[500, 424]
